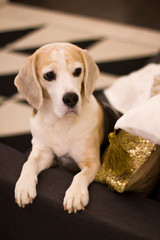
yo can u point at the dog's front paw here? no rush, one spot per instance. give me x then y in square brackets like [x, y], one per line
[25, 190]
[76, 198]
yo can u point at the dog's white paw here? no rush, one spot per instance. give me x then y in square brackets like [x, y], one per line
[76, 199]
[25, 190]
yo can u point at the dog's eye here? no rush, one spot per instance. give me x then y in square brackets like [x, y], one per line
[50, 76]
[77, 72]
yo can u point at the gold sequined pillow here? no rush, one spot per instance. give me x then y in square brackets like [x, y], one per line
[130, 163]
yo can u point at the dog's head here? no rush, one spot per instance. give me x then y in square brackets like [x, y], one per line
[61, 72]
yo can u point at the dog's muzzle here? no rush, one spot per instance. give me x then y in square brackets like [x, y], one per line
[70, 99]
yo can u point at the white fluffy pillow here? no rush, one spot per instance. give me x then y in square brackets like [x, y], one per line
[143, 121]
[132, 90]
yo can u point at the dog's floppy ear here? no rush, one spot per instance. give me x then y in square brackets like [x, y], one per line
[91, 73]
[27, 83]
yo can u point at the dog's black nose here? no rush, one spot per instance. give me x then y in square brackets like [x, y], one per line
[70, 99]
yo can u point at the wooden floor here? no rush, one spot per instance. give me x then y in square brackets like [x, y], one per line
[144, 13]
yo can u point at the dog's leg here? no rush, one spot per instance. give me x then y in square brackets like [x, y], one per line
[77, 195]
[25, 189]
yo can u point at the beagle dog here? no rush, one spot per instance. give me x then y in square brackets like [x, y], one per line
[58, 81]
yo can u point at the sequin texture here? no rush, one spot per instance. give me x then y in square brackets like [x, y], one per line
[138, 149]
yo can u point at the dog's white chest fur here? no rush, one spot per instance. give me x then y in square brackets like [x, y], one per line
[53, 136]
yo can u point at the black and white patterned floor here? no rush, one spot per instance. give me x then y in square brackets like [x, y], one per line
[117, 49]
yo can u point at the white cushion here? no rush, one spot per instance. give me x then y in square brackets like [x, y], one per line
[132, 90]
[143, 121]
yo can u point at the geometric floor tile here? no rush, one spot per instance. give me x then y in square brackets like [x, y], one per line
[123, 67]
[85, 44]
[110, 50]
[47, 35]
[10, 62]
[116, 48]
[82, 44]
[7, 87]
[11, 36]
[14, 118]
